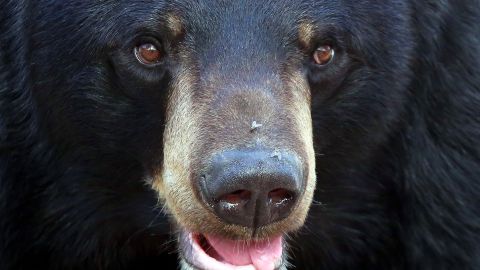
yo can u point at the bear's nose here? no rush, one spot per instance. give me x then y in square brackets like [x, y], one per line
[252, 188]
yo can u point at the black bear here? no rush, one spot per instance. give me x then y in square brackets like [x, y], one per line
[239, 135]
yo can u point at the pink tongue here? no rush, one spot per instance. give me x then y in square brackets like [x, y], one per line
[261, 254]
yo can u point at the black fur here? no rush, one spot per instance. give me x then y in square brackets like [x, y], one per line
[396, 119]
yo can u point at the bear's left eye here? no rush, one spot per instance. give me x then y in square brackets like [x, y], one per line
[148, 54]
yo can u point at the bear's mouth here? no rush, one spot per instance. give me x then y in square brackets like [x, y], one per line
[208, 252]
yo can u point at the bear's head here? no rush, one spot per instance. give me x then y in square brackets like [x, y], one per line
[207, 106]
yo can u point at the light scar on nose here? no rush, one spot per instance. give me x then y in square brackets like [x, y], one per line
[255, 126]
[276, 154]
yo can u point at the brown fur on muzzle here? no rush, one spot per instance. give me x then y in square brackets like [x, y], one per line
[205, 116]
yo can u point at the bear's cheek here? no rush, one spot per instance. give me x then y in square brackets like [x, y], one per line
[173, 179]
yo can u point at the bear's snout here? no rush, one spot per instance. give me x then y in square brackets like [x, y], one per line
[251, 187]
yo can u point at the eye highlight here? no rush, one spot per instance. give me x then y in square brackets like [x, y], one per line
[323, 55]
[148, 54]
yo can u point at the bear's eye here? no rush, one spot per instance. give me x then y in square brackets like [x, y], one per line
[148, 54]
[323, 55]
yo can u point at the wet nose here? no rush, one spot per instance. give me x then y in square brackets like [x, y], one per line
[252, 188]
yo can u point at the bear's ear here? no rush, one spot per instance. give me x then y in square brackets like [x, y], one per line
[16, 102]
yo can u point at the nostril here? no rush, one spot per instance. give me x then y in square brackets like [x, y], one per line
[235, 198]
[280, 196]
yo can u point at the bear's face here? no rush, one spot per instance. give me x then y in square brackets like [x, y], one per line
[211, 103]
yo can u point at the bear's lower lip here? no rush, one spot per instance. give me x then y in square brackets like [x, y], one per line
[216, 253]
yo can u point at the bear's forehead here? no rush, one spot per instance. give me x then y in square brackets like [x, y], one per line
[223, 16]
[243, 24]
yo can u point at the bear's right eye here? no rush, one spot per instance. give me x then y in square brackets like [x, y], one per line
[323, 55]
[148, 54]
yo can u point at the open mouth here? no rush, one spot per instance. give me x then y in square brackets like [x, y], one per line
[208, 252]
